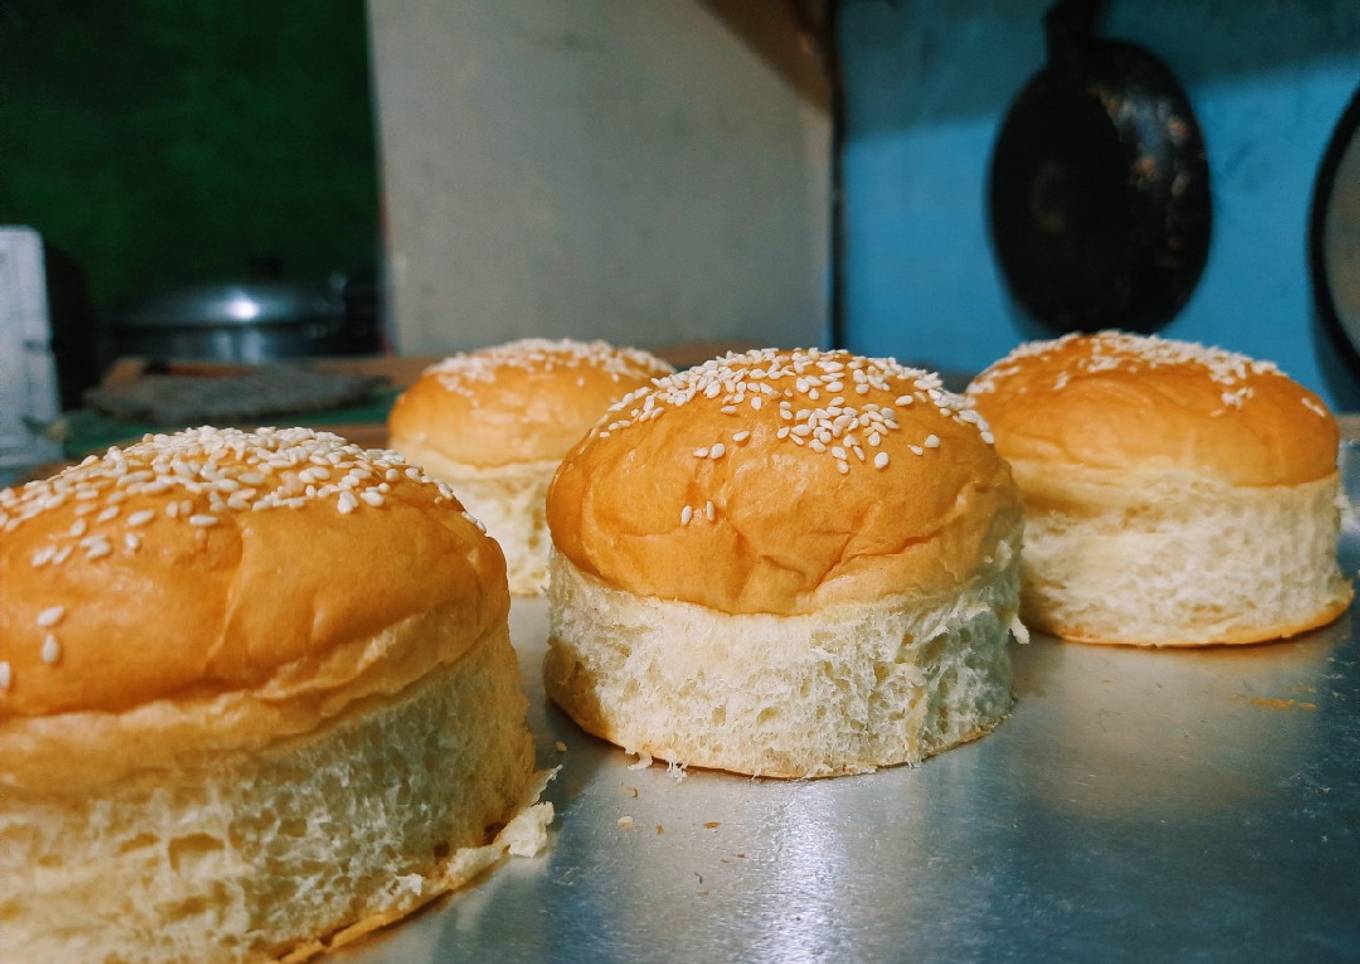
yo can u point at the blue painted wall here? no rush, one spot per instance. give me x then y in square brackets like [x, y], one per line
[927, 84]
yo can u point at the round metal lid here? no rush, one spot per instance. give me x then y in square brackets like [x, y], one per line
[233, 305]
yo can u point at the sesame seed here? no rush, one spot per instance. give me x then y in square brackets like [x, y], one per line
[98, 550]
[6, 675]
[709, 512]
[816, 445]
[107, 514]
[838, 452]
[51, 649]
[203, 520]
[861, 388]
[783, 433]
[686, 514]
[141, 517]
[728, 409]
[903, 400]
[716, 452]
[881, 460]
[917, 450]
[172, 510]
[1117, 351]
[989, 438]
[932, 441]
[51, 616]
[756, 403]
[131, 541]
[347, 503]
[701, 453]
[842, 467]
[77, 528]
[373, 498]
[740, 437]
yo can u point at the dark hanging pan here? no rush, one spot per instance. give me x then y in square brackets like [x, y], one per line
[1100, 202]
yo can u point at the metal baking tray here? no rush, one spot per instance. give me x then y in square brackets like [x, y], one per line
[1137, 805]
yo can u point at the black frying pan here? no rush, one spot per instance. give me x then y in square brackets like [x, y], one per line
[1100, 202]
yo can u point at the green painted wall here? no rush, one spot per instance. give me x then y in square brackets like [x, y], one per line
[162, 142]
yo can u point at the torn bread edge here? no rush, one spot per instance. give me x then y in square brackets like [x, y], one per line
[525, 835]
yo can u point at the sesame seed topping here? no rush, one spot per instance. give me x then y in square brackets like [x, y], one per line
[1314, 407]
[932, 441]
[232, 470]
[51, 616]
[686, 514]
[1082, 355]
[458, 373]
[51, 649]
[709, 512]
[6, 675]
[842, 467]
[347, 503]
[810, 388]
[881, 460]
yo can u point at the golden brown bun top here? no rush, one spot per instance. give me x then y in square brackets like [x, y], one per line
[524, 401]
[214, 561]
[782, 482]
[1113, 401]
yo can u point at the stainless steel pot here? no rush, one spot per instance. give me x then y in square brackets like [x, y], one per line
[248, 322]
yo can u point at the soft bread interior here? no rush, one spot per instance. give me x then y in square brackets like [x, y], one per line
[250, 858]
[1189, 561]
[510, 501]
[843, 690]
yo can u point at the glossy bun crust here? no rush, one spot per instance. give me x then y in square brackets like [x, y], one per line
[524, 401]
[782, 482]
[1121, 402]
[223, 565]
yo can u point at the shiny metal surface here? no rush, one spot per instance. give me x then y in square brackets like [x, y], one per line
[248, 322]
[1136, 806]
